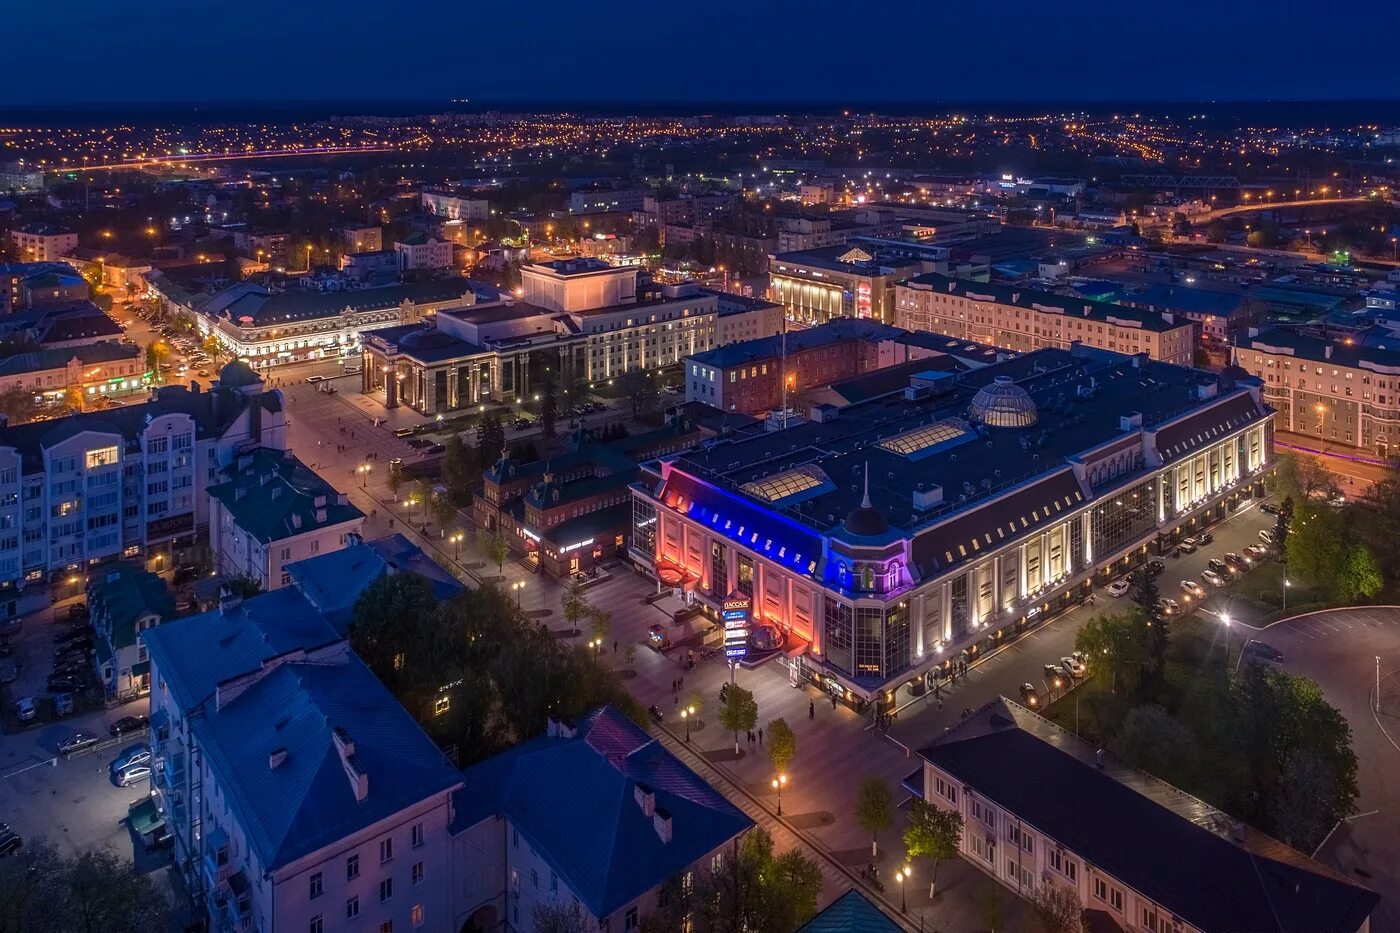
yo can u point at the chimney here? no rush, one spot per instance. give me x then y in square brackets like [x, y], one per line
[661, 822]
[296, 519]
[345, 746]
[645, 797]
[228, 600]
[276, 757]
[1327, 352]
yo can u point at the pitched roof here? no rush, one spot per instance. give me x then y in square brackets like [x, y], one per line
[307, 801]
[88, 354]
[1045, 302]
[126, 593]
[595, 835]
[1178, 852]
[273, 495]
[82, 321]
[196, 654]
[266, 308]
[333, 582]
[850, 913]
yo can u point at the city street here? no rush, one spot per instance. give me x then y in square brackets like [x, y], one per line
[1340, 649]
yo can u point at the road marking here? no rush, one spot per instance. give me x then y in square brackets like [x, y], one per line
[50, 762]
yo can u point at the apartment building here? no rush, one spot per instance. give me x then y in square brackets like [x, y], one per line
[123, 601]
[1023, 319]
[269, 247]
[360, 238]
[455, 206]
[633, 819]
[607, 200]
[42, 242]
[1042, 807]
[93, 370]
[1335, 392]
[421, 250]
[299, 793]
[26, 285]
[274, 510]
[128, 481]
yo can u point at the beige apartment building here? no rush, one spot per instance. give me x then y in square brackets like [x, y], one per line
[1022, 319]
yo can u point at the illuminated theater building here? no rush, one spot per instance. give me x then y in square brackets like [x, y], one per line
[883, 541]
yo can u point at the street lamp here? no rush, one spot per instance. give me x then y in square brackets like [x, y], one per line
[686, 713]
[456, 540]
[363, 470]
[517, 587]
[903, 874]
[1225, 621]
[1286, 584]
[779, 783]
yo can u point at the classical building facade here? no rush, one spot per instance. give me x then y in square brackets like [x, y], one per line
[884, 542]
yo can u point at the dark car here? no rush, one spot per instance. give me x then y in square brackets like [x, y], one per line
[1155, 567]
[1264, 650]
[1204, 538]
[128, 724]
[77, 611]
[1029, 696]
[72, 633]
[10, 841]
[1268, 508]
[62, 685]
[1223, 569]
[1054, 676]
[80, 742]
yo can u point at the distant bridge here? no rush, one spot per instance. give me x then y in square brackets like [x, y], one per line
[1185, 181]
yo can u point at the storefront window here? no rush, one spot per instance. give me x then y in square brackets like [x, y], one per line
[745, 582]
[869, 647]
[838, 634]
[644, 524]
[896, 639]
[719, 570]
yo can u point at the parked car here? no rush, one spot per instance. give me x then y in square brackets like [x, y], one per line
[1168, 606]
[521, 424]
[1054, 676]
[315, 379]
[1257, 551]
[131, 774]
[1213, 578]
[1222, 569]
[405, 432]
[62, 684]
[24, 709]
[1187, 546]
[77, 611]
[1268, 508]
[1238, 560]
[1266, 537]
[1193, 589]
[1117, 588]
[1264, 650]
[1074, 666]
[80, 742]
[10, 841]
[1155, 566]
[128, 724]
[1029, 697]
[1205, 538]
[137, 754]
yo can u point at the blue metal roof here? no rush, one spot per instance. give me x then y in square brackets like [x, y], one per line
[196, 654]
[306, 801]
[574, 799]
[850, 913]
[334, 582]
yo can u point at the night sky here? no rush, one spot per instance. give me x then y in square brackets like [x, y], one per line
[826, 51]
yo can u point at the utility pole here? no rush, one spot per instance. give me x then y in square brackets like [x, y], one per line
[1378, 683]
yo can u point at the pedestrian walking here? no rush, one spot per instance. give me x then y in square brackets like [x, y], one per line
[760, 736]
[614, 647]
[811, 709]
[833, 702]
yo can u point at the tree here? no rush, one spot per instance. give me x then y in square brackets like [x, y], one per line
[557, 917]
[97, 892]
[157, 352]
[1317, 544]
[874, 809]
[600, 623]
[73, 398]
[782, 744]
[243, 586]
[1293, 811]
[1114, 644]
[211, 346]
[17, 405]
[1057, 909]
[575, 604]
[629, 658]
[1152, 740]
[752, 890]
[1158, 627]
[640, 388]
[932, 833]
[1360, 575]
[738, 712]
[395, 480]
[1282, 522]
[444, 509]
[459, 472]
[397, 631]
[695, 704]
[490, 440]
[498, 549]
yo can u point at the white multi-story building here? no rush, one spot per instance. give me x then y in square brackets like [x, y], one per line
[890, 538]
[124, 482]
[1042, 807]
[272, 511]
[454, 206]
[423, 251]
[299, 793]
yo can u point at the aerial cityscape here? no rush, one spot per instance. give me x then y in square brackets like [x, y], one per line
[704, 507]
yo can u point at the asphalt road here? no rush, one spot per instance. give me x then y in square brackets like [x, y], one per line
[1339, 650]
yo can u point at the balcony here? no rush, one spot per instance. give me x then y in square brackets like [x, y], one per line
[216, 875]
[237, 907]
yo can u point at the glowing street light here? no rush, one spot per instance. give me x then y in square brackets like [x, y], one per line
[456, 540]
[363, 469]
[686, 715]
[517, 587]
[903, 874]
[779, 783]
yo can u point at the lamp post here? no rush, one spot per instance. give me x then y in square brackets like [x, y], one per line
[1286, 584]
[779, 783]
[903, 875]
[1225, 621]
[686, 715]
[363, 470]
[517, 587]
[456, 540]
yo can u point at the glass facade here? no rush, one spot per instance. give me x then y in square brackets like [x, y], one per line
[1123, 519]
[745, 581]
[959, 605]
[896, 638]
[838, 635]
[643, 525]
[870, 649]
[719, 570]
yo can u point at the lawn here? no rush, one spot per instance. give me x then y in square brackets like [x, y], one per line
[1262, 588]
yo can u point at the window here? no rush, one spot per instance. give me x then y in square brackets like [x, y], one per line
[1115, 899]
[386, 927]
[352, 868]
[630, 921]
[386, 849]
[1100, 889]
[386, 889]
[102, 456]
[416, 915]
[316, 885]
[416, 835]
[352, 908]
[417, 872]
[315, 926]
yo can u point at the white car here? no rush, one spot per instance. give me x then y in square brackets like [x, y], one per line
[1193, 589]
[1213, 578]
[1117, 588]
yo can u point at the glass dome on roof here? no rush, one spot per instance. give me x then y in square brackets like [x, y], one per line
[1004, 404]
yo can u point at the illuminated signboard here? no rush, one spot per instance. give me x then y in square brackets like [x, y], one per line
[863, 299]
[735, 616]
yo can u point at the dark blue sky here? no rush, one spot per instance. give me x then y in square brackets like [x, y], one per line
[827, 51]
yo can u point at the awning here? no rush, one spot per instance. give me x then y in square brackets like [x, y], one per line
[144, 817]
[795, 646]
[141, 668]
[914, 783]
[672, 575]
